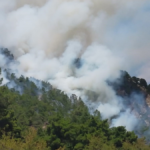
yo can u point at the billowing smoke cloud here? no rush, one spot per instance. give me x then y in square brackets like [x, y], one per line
[127, 120]
[77, 45]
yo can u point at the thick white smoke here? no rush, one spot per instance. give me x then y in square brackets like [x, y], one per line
[77, 45]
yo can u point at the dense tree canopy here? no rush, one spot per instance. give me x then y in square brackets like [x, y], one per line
[45, 118]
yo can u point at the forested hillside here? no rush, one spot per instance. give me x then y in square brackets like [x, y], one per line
[44, 118]
[74, 75]
[136, 96]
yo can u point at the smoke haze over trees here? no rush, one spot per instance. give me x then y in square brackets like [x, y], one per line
[80, 47]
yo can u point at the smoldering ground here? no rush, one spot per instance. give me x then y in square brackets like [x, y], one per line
[106, 36]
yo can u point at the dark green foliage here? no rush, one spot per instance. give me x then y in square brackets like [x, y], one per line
[59, 120]
[76, 134]
[143, 83]
[129, 84]
[5, 52]
[8, 122]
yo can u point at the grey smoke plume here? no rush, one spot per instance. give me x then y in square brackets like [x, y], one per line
[47, 37]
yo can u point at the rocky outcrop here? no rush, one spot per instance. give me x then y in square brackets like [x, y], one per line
[135, 94]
